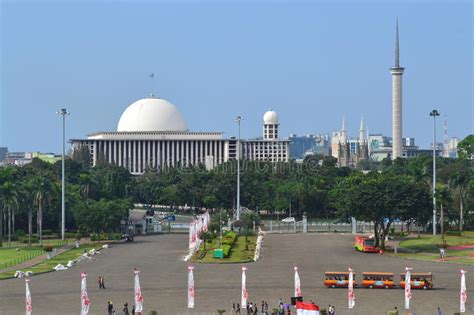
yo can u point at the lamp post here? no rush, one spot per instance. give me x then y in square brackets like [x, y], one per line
[433, 114]
[238, 120]
[63, 112]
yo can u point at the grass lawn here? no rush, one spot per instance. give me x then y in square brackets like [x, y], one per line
[429, 244]
[428, 247]
[47, 265]
[12, 256]
[237, 254]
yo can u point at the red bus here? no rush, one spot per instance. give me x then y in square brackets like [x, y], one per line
[365, 244]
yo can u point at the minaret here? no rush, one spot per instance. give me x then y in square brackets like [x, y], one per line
[361, 131]
[397, 123]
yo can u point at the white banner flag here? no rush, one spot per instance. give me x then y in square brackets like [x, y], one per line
[190, 287]
[28, 305]
[297, 283]
[245, 293]
[138, 294]
[350, 292]
[463, 296]
[407, 287]
[85, 302]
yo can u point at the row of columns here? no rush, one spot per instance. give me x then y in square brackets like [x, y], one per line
[138, 155]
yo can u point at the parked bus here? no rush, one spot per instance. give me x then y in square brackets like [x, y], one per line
[378, 280]
[336, 279]
[420, 280]
[365, 244]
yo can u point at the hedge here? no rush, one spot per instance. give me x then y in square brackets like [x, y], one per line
[226, 249]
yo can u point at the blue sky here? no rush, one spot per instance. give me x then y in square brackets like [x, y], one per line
[311, 61]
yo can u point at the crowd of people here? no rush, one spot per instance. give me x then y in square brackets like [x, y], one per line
[263, 309]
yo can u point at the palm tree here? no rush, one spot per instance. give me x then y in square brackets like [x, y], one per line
[460, 180]
[9, 201]
[87, 185]
[42, 188]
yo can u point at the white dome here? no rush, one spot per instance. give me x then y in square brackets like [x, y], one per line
[152, 114]
[270, 118]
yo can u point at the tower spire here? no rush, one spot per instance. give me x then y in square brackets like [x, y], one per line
[343, 129]
[397, 49]
[361, 131]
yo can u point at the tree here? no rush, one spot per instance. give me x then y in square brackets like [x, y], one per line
[42, 190]
[9, 201]
[460, 180]
[382, 198]
[466, 148]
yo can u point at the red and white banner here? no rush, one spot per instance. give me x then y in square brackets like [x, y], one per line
[138, 294]
[306, 308]
[463, 293]
[85, 302]
[190, 287]
[407, 287]
[297, 283]
[245, 293]
[28, 305]
[350, 292]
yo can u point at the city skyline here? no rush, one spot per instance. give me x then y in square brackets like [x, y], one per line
[312, 71]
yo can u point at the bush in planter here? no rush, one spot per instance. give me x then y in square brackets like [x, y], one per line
[152, 313]
[323, 311]
[226, 249]
[220, 311]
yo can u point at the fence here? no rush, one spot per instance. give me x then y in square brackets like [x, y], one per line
[321, 227]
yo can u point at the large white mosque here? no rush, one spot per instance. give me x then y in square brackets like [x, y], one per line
[152, 134]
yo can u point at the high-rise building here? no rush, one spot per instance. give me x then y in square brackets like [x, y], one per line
[397, 108]
[302, 146]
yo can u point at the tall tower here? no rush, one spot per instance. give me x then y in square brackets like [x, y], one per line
[270, 125]
[361, 132]
[397, 123]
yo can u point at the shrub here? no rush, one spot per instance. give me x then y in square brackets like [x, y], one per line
[152, 313]
[24, 240]
[454, 233]
[116, 236]
[226, 249]
[323, 311]
[48, 248]
[13, 238]
[47, 232]
[94, 237]
[220, 311]
[19, 233]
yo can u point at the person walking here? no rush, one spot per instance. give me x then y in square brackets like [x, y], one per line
[266, 309]
[238, 309]
[133, 309]
[125, 309]
[439, 311]
[101, 282]
[110, 308]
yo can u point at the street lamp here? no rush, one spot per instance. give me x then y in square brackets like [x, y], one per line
[238, 120]
[433, 114]
[63, 112]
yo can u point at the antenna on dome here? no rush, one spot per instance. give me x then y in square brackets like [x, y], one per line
[152, 79]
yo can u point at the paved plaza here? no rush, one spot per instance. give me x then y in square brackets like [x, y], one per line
[164, 279]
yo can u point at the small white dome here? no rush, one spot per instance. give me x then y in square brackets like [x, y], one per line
[152, 114]
[270, 118]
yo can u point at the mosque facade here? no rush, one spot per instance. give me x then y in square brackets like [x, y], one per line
[153, 135]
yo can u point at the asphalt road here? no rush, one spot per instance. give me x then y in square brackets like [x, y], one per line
[164, 279]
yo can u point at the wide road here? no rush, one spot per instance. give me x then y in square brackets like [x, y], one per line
[164, 279]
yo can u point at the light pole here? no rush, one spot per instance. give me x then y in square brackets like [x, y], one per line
[238, 120]
[433, 114]
[63, 112]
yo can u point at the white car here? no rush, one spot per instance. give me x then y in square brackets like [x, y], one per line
[289, 220]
